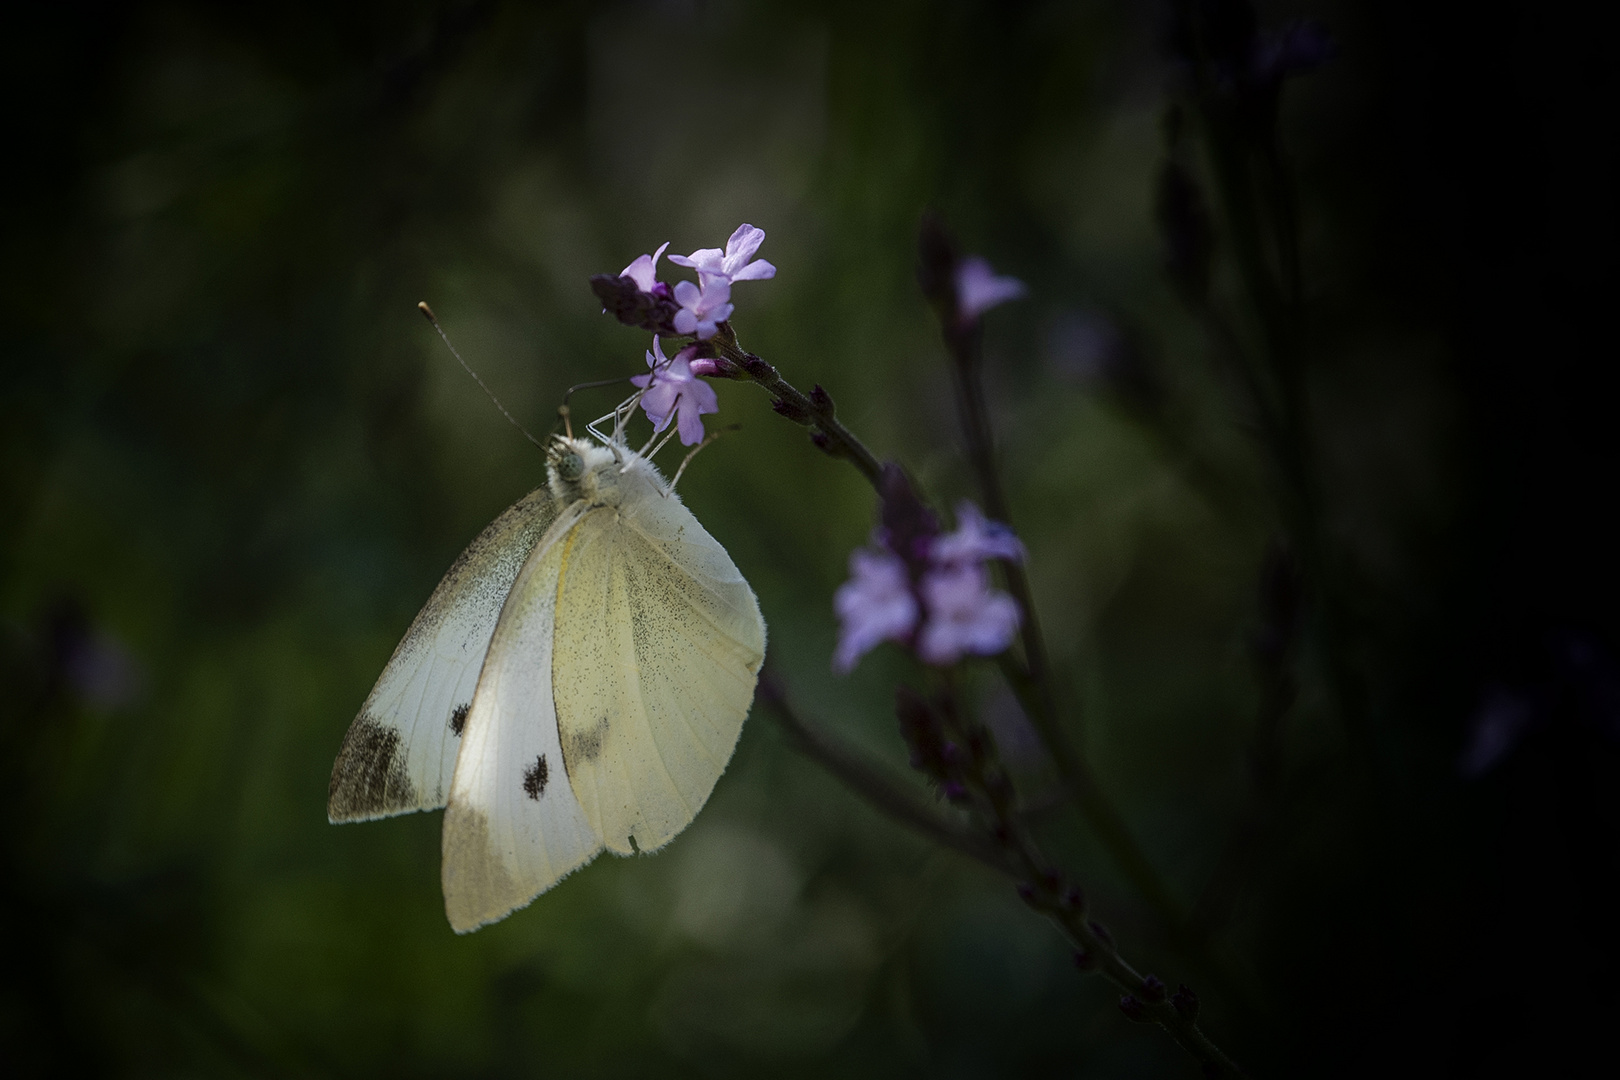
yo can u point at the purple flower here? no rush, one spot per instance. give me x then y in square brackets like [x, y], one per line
[965, 615]
[643, 271]
[702, 310]
[950, 607]
[731, 264]
[673, 391]
[975, 540]
[876, 604]
[978, 289]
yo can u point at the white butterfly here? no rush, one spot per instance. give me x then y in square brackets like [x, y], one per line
[577, 681]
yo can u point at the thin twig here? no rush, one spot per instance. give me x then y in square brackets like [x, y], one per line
[1033, 685]
[1007, 848]
[1235, 144]
[869, 781]
[1031, 682]
[814, 410]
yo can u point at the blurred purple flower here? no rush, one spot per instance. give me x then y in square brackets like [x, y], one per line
[875, 605]
[965, 615]
[978, 289]
[960, 614]
[976, 538]
[673, 391]
[1501, 720]
[702, 310]
[643, 271]
[731, 264]
[1298, 47]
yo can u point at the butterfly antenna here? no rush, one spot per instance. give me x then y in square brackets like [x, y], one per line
[425, 310]
[707, 439]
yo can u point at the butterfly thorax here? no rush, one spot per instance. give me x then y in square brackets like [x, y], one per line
[579, 471]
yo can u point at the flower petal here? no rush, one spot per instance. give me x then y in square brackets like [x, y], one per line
[741, 246]
[644, 270]
[875, 605]
[978, 289]
[690, 421]
[702, 258]
[758, 270]
[975, 539]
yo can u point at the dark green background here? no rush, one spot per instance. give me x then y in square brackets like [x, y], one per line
[236, 461]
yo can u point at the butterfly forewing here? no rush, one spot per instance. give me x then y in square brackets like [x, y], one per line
[512, 827]
[400, 752]
[659, 642]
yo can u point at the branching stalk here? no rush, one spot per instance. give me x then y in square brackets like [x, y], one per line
[1004, 846]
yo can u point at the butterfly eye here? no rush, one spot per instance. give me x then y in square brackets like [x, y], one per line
[570, 467]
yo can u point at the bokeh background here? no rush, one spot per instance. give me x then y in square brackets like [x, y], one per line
[235, 462]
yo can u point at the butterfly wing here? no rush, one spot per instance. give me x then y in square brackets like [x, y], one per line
[659, 643]
[512, 827]
[400, 752]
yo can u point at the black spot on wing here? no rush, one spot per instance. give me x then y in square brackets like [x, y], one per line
[369, 778]
[458, 720]
[535, 777]
[583, 746]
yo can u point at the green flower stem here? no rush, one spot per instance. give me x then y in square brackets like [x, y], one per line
[1261, 217]
[814, 411]
[872, 783]
[1031, 682]
[1006, 847]
[994, 802]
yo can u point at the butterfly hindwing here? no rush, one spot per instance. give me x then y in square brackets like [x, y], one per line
[659, 642]
[512, 827]
[400, 752]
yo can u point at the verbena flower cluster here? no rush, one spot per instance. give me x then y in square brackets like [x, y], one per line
[913, 585]
[940, 604]
[672, 389]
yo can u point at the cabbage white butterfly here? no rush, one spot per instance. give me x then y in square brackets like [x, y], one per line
[577, 681]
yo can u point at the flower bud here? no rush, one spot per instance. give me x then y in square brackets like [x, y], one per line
[821, 401]
[1134, 1009]
[791, 409]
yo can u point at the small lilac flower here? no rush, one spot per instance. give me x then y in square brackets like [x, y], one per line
[672, 391]
[975, 539]
[644, 270]
[978, 289]
[965, 615]
[876, 604]
[732, 264]
[952, 602]
[702, 310]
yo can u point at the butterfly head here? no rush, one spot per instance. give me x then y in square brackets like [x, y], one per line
[578, 470]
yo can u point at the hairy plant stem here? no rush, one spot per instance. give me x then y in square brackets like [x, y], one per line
[1004, 845]
[1031, 682]
[872, 783]
[1256, 196]
[814, 410]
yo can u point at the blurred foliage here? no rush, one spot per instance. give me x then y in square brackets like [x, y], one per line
[235, 462]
